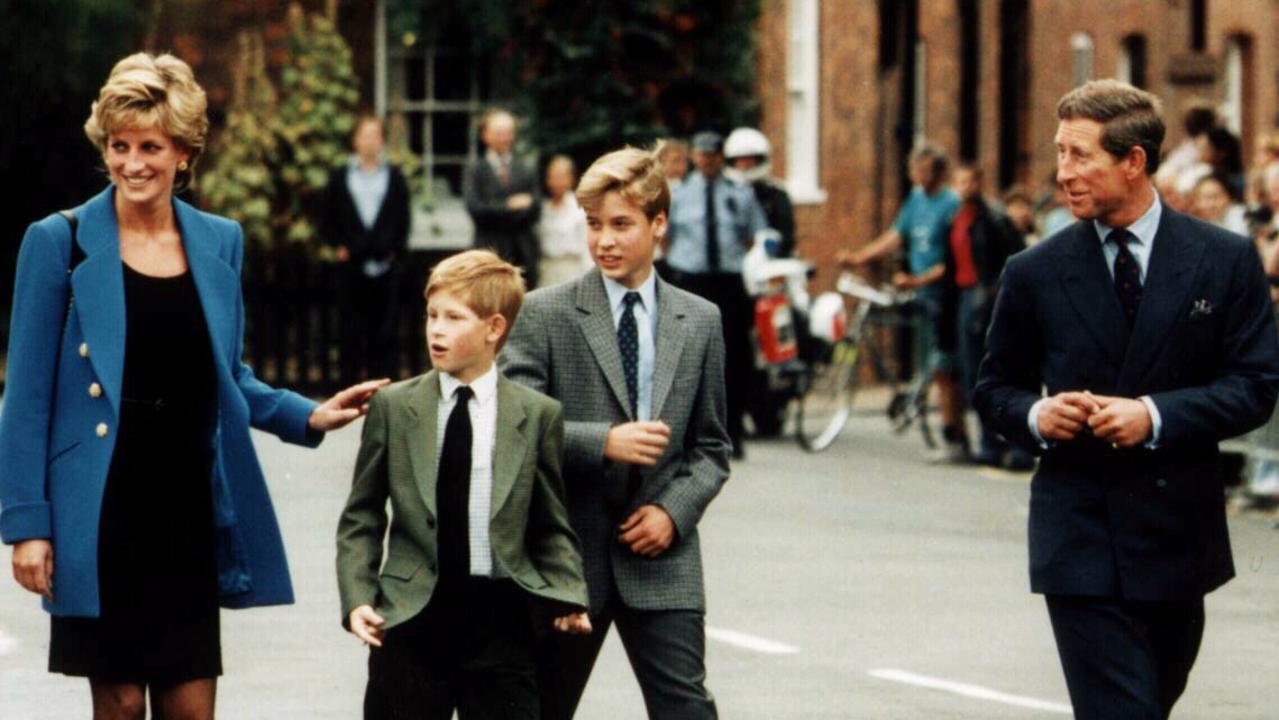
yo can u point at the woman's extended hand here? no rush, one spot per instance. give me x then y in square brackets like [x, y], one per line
[33, 566]
[345, 406]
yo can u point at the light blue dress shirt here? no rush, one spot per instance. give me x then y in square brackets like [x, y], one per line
[368, 190]
[646, 326]
[737, 218]
[1144, 230]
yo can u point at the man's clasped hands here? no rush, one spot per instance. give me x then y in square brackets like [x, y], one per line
[1122, 422]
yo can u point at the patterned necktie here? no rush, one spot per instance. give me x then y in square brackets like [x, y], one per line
[504, 172]
[1127, 275]
[453, 490]
[712, 229]
[628, 343]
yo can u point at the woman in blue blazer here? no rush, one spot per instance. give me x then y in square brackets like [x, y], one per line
[129, 486]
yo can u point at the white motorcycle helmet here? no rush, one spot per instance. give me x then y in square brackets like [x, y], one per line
[827, 318]
[748, 142]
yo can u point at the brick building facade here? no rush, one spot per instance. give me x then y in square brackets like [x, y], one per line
[981, 78]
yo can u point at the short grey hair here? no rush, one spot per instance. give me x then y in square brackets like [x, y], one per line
[930, 151]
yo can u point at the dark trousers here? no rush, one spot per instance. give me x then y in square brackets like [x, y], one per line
[667, 650]
[736, 310]
[1125, 660]
[369, 343]
[471, 650]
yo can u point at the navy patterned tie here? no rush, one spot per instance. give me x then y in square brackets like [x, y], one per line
[712, 229]
[628, 343]
[1127, 275]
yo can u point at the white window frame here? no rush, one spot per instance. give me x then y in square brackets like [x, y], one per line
[1232, 109]
[1083, 51]
[803, 102]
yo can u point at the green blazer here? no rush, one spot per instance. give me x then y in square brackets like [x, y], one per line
[529, 528]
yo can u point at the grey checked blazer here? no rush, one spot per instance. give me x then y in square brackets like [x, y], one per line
[565, 345]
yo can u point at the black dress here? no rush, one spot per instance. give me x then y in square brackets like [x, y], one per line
[157, 572]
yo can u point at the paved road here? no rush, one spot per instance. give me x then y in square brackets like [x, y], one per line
[861, 583]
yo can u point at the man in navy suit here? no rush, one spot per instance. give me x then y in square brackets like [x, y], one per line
[1152, 334]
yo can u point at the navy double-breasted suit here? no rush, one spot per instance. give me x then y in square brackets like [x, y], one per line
[1139, 524]
[61, 407]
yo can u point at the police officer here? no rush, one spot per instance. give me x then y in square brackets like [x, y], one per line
[749, 157]
[713, 223]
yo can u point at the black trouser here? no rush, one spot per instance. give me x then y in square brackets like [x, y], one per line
[667, 650]
[1125, 660]
[471, 650]
[736, 310]
[369, 343]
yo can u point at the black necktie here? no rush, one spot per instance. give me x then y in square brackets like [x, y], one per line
[453, 491]
[1127, 275]
[712, 232]
[628, 343]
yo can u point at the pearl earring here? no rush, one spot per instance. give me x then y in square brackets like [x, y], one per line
[182, 166]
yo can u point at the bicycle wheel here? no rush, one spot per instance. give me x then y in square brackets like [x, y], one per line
[827, 398]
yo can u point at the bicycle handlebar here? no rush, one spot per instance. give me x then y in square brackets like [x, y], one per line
[884, 296]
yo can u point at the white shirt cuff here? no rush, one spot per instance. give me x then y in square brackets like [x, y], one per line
[1032, 420]
[1156, 422]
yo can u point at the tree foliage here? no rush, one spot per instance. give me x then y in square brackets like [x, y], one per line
[589, 75]
[315, 118]
[241, 183]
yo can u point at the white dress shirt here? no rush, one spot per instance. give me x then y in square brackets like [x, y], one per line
[645, 326]
[1143, 230]
[483, 412]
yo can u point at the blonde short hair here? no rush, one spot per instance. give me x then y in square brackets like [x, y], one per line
[634, 173]
[146, 91]
[486, 283]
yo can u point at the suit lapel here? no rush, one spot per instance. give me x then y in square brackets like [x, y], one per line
[509, 443]
[215, 282]
[596, 318]
[420, 417]
[1169, 279]
[668, 341]
[1091, 292]
[97, 286]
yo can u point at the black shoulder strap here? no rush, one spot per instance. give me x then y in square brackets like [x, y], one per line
[77, 253]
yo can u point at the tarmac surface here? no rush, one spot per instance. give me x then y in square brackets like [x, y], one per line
[862, 582]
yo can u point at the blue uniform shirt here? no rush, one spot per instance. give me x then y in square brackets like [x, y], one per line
[737, 218]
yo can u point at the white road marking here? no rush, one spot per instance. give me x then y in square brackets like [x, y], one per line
[972, 691]
[750, 642]
[7, 644]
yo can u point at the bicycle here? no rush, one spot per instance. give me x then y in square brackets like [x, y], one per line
[829, 386]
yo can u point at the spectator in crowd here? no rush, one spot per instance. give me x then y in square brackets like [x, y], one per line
[922, 227]
[502, 196]
[673, 155]
[1020, 208]
[1223, 152]
[1213, 202]
[713, 222]
[1054, 214]
[1196, 121]
[981, 240]
[561, 229]
[1266, 153]
[366, 220]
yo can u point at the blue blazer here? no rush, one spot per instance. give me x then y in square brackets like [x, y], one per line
[1141, 524]
[57, 436]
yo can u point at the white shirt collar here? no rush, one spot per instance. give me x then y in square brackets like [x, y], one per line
[1144, 228]
[617, 292]
[484, 386]
[496, 160]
